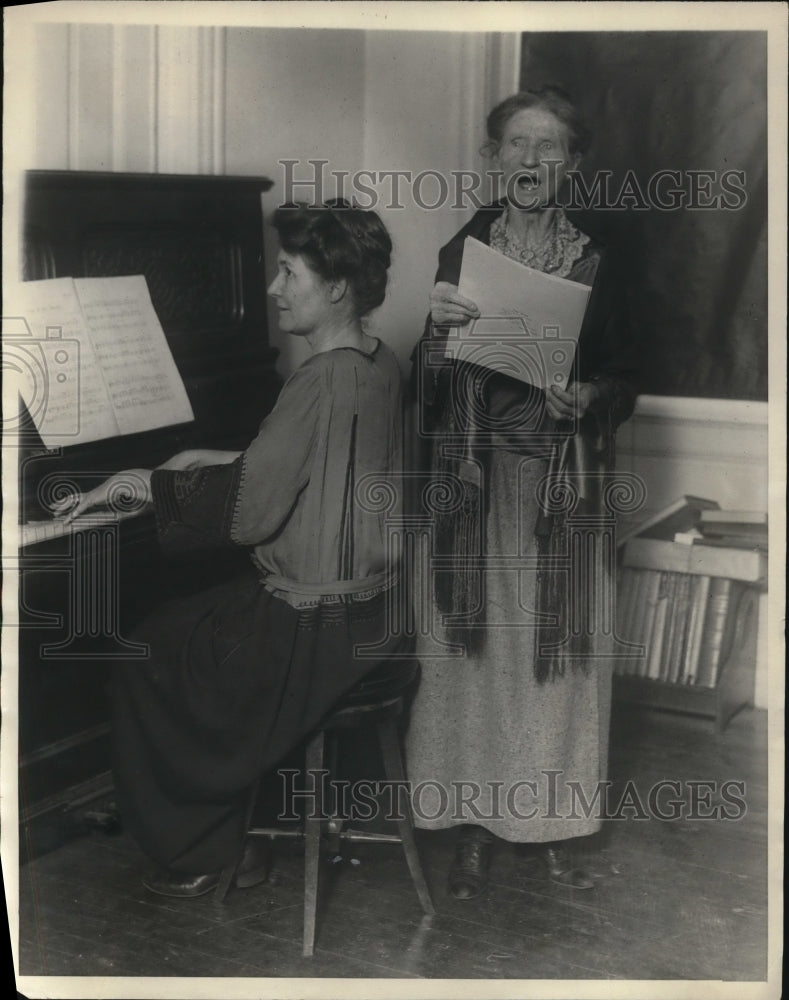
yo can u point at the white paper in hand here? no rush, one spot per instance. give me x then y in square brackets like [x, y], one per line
[529, 321]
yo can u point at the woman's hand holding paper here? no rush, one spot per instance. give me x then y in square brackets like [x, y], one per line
[449, 308]
[572, 402]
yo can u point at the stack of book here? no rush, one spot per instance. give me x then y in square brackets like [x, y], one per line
[679, 601]
[739, 529]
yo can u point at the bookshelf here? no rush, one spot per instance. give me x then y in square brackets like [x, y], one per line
[698, 651]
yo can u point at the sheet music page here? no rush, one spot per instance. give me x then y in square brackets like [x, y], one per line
[529, 321]
[143, 384]
[59, 376]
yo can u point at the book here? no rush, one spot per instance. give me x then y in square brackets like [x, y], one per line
[650, 600]
[681, 514]
[624, 610]
[714, 639]
[699, 599]
[655, 656]
[703, 560]
[679, 637]
[99, 362]
[626, 586]
[733, 542]
[639, 624]
[738, 528]
[664, 671]
[740, 518]
[529, 321]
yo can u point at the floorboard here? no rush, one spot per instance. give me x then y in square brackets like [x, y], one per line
[681, 899]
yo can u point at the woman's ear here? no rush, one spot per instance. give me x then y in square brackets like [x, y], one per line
[338, 290]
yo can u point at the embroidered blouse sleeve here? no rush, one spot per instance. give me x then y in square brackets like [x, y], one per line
[246, 501]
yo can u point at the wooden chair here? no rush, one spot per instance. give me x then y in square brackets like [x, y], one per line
[377, 701]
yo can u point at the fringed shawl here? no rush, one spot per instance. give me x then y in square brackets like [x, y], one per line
[576, 455]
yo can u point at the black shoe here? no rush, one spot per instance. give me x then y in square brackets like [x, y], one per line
[253, 870]
[468, 876]
[561, 870]
[184, 886]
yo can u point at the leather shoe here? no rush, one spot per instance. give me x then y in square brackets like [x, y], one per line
[468, 876]
[253, 870]
[561, 870]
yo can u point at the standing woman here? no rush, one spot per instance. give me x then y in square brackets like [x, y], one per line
[509, 722]
[238, 675]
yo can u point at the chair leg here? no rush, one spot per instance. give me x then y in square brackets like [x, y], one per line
[394, 771]
[312, 841]
[228, 875]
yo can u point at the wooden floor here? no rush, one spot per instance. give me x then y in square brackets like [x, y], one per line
[685, 899]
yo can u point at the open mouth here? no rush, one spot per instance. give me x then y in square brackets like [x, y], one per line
[528, 182]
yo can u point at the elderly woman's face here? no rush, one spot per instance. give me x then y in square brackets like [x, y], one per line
[534, 157]
[302, 296]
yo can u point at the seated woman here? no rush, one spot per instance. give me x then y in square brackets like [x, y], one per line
[237, 676]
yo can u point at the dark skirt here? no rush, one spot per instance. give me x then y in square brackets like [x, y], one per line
[235, 679]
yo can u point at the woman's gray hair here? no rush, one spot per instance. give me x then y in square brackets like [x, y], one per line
[550, 98]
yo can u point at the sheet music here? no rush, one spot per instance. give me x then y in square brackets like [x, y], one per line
[529, 321]
[144, 387]
[92, 359]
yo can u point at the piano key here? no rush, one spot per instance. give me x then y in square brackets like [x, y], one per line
[35, 532]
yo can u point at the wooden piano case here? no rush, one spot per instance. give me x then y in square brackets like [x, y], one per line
[199, 243]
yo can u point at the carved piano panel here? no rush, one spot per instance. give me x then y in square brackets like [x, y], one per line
[199, 242]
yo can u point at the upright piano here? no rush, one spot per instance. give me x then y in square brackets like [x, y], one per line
[199, 243]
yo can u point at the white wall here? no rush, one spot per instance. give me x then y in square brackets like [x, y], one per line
[293, 94]
[426, 97]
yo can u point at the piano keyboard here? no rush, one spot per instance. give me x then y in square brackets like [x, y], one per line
[35, 532]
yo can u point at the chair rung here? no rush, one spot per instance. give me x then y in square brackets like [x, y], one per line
[274, 832]
[373, 838]
[357, 835]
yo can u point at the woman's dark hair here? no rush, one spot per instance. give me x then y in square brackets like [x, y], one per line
[552, 99]
[340, 242]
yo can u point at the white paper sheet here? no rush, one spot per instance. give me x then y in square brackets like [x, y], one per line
[529, 321]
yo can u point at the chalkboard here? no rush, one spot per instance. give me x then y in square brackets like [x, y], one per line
[679, 157]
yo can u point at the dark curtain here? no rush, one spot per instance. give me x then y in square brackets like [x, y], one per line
[697, 278]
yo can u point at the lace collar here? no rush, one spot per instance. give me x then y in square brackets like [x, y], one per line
[558, 252]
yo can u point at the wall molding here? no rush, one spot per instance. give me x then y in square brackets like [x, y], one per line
[190, 100]
[73, 70]
[736, 411]
[707, 447]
